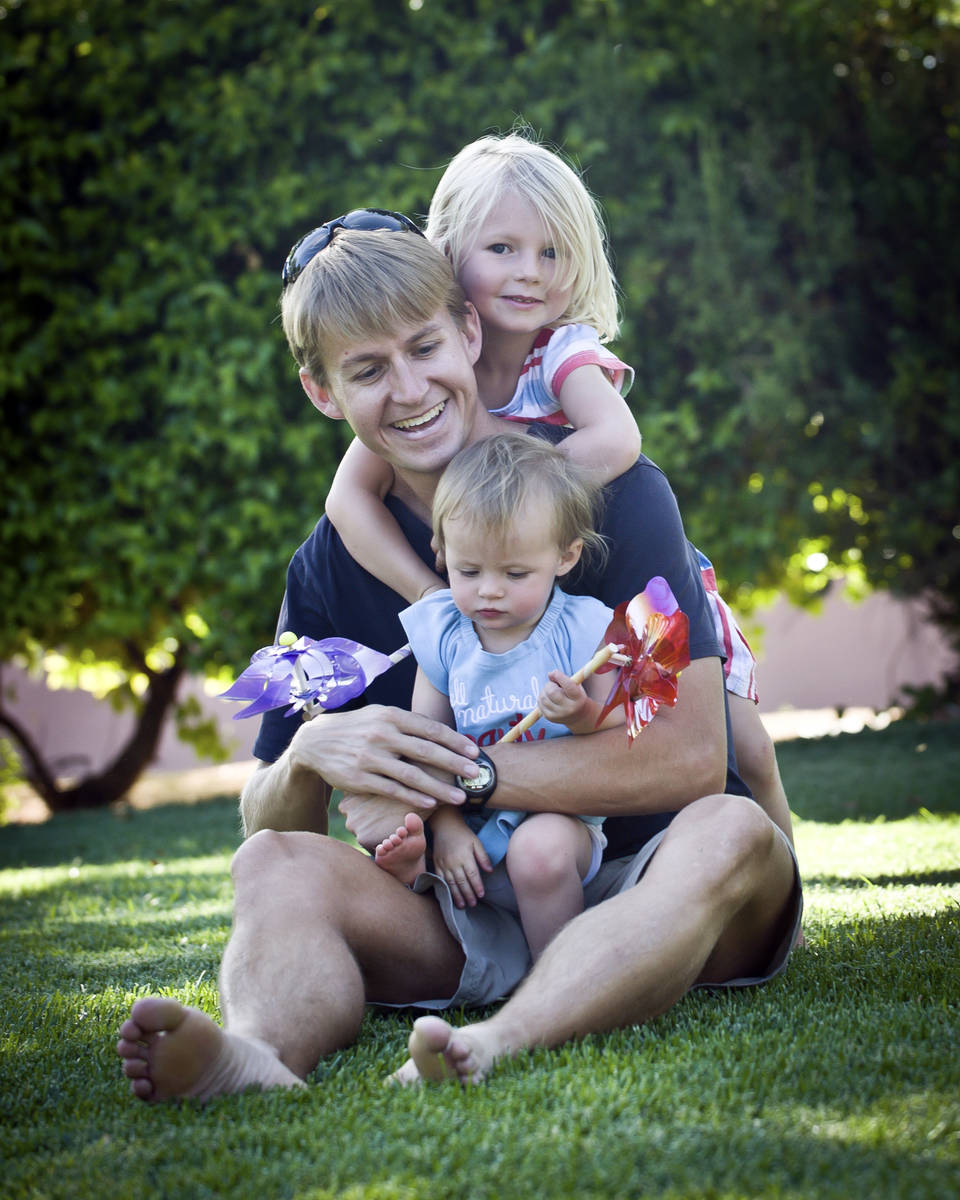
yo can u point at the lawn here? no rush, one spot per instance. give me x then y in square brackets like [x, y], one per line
[840, 1079]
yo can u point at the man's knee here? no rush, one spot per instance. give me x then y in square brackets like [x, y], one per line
[735, 837]
[272, 855]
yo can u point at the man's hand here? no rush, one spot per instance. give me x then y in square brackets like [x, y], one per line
[385, 752]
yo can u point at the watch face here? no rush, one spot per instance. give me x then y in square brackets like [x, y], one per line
[479, 782]
[478, 787]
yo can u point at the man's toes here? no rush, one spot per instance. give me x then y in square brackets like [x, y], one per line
[141, 1088]
[156, 1014]
[130, 1031]
[406, 1076]
[135, 1068]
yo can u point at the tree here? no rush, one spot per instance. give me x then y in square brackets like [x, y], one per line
[161, 461]
[787, 255]
[780, 181]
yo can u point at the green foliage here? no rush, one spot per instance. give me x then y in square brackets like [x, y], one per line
[789, 272]
[839, 1079]
[781, 182]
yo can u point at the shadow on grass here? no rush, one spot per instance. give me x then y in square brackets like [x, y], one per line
[158, 834]
[890, 773]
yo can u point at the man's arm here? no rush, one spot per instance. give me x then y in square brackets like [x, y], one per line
[679, 757]
[377, 751]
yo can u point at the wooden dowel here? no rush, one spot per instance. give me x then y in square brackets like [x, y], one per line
[605, 654]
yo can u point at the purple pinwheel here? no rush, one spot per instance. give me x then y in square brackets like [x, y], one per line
[309, 675]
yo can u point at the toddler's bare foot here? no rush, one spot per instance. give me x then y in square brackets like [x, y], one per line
[170, 1050]
[403, 854]
[441, 1052]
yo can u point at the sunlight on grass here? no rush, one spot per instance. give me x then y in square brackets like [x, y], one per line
[839, 1079]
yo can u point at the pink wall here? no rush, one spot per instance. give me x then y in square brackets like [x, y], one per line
[80, 733]
[850, 656]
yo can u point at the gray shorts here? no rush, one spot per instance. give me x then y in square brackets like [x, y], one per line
[496, 951]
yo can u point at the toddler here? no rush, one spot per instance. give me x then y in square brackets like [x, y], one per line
[511, 516]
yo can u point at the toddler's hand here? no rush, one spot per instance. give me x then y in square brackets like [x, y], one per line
[562, 700]
[458, 858]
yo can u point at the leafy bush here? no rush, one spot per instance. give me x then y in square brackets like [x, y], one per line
[780, 181]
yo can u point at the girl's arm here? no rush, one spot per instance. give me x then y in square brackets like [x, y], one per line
[356, 510]
[606, 439]
[578, 705]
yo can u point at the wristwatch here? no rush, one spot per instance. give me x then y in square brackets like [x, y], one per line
[478, 788]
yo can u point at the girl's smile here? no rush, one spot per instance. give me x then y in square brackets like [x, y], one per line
[509, 269]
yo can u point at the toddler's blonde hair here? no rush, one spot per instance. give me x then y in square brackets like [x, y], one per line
[493, 482]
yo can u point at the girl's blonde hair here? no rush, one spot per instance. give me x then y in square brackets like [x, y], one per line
[493, 482]
[365, 283]
[482, 173]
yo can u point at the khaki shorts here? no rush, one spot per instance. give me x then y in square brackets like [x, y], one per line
[496, 951]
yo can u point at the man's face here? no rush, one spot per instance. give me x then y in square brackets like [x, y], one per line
[410, 395]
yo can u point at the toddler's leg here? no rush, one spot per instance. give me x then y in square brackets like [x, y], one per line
[548, 856]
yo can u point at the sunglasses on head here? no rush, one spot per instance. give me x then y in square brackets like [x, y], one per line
[318, 239]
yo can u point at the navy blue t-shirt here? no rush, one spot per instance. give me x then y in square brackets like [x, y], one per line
[329, 594]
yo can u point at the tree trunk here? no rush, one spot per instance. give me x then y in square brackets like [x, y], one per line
[116, 779]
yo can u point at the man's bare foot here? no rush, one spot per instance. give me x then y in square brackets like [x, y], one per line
[439, 1051]
[403, 854]
[405, 1076]
[170, 1050]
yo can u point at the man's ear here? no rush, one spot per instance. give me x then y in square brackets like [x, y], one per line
[472, 334]
[320, 397]
[570, 557]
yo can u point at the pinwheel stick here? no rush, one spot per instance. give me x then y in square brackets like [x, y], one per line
[608, 653]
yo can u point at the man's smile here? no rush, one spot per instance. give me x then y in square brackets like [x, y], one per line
[422, 419]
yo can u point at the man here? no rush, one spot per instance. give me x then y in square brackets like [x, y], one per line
[709, 895]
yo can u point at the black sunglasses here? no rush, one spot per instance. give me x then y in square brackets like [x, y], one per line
[318, 239]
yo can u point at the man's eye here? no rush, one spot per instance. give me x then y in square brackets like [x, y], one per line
[425, 349]
[366, 375]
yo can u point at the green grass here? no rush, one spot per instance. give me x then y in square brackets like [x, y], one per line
[840, 1079]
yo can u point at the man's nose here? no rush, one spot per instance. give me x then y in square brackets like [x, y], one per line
[407, 382]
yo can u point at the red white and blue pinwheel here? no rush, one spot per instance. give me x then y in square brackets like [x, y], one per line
[654, 637]
[308, 675]
[648, 644]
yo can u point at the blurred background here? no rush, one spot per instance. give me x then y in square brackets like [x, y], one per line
[780, 181]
